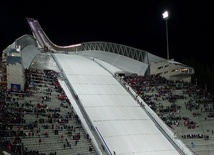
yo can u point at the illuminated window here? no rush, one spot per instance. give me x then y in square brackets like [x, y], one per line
[174, 70]
[184, 70]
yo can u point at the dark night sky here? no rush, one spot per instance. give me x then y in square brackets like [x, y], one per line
[136, 24]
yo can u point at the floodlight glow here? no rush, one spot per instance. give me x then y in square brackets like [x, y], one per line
[165, 15]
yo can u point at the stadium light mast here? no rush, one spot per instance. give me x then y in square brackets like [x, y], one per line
[166, 17]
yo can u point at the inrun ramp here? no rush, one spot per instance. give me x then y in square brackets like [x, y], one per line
[124, 126]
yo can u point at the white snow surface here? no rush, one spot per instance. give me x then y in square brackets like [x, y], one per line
[124, 126]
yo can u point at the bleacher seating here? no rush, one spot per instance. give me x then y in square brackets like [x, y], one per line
[41, 120]
[46, 123]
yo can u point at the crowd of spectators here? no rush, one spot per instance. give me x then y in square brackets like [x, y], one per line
[22, 118]
[162, 96]
[169, 99]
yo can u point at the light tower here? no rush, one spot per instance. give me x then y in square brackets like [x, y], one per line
[166, 17]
